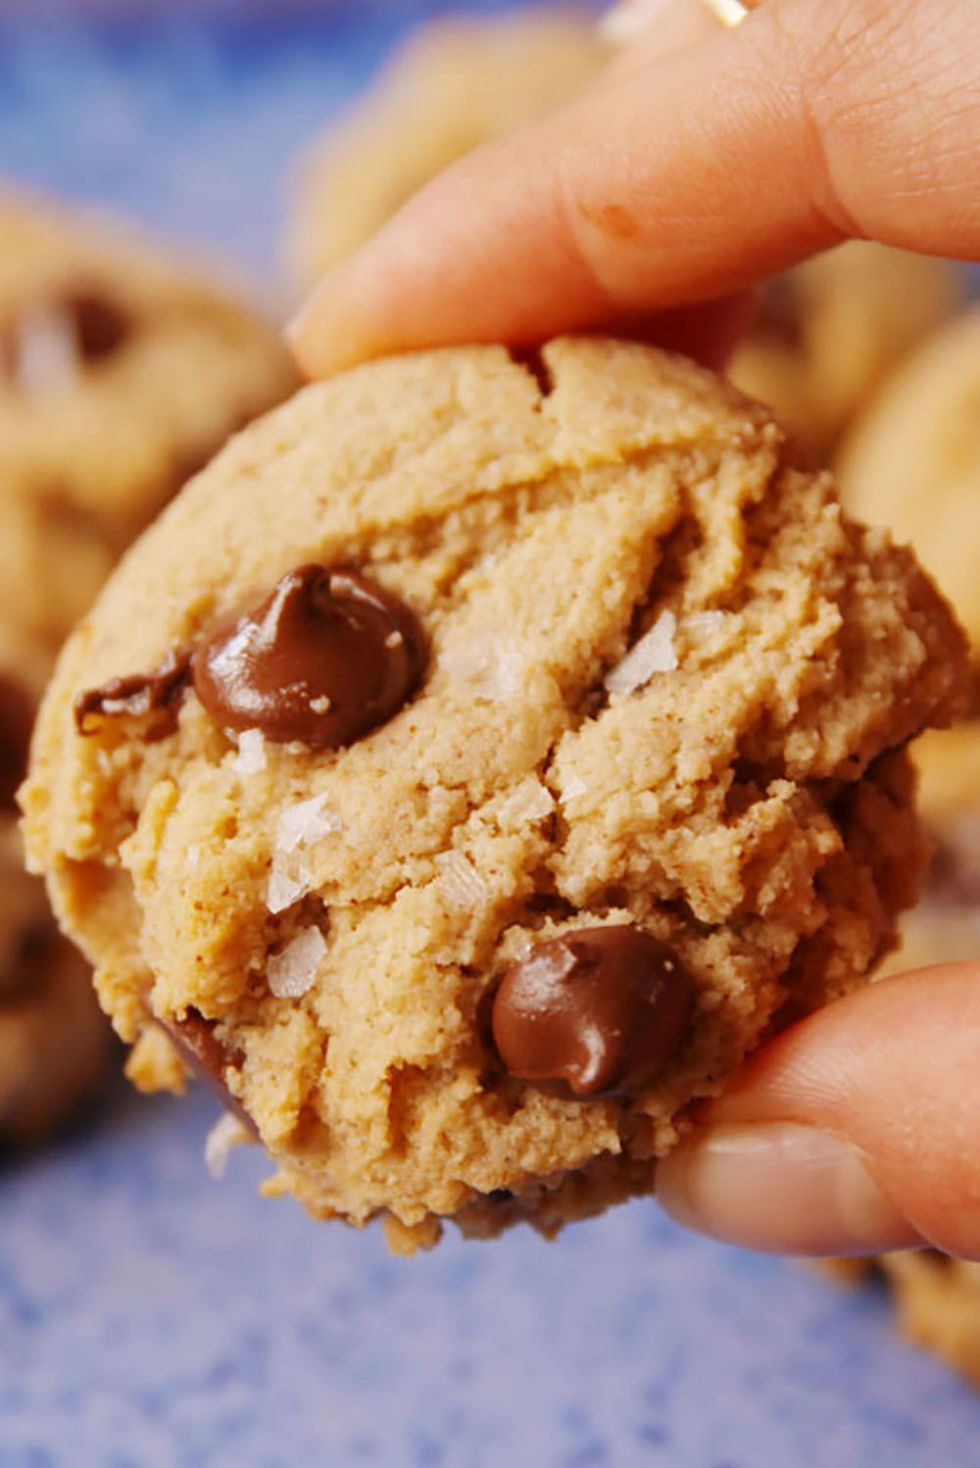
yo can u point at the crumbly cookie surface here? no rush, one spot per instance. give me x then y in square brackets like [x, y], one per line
[666, 687]
[453, 84]
[122, 369]
[826, 335]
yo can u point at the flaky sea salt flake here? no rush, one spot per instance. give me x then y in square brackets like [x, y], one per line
[227, 1132]
[573, 786]
[492, 668]
[291, 973]
[704, 624]
[653, 653]
[529, 802]
[286, 886]
[306, 822]
[461, 883]
[250, 758]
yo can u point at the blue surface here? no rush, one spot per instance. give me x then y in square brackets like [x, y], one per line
[150, 1317]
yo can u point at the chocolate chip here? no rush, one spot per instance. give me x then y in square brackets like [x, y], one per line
[19, 964]
[16, 721]
[326, 657]
[779, 311]
[101, 327]
[152, 699]
[603, 1009]
[195, 1038]
[953, 877]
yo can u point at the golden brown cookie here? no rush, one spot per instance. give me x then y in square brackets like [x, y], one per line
[826, 334]
[453, 84]
[912, 462]
[938, 1305]
[476, 761]
[122, 369]
[936, 1299]
[54, 1042]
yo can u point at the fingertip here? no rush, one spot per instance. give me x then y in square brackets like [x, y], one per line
[321, 343]
[781, 1188]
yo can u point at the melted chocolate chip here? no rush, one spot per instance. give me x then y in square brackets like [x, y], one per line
[953, 877]
[195, 1038]
[16, 721]
[326, 657]
[603, 1009]
[101, 327]
[779, 312]
[150, 698]
[19, 965]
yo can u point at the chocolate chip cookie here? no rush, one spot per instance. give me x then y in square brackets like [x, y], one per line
[826, 335]
[54, 1042]
[912, 462]
[454, 83]
[476, 761]
[938, 1305]
[122, 369]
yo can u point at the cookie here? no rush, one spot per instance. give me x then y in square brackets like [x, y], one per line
[825, 336]
[936, 1300]
[476, 761]
[122, 369]
[453, 84]
[938, 1305]
[54, 1042]
[912, 462]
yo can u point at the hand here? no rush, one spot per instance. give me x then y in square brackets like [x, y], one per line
[705, 160]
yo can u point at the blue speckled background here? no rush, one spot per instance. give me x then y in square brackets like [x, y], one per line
[150, 1317]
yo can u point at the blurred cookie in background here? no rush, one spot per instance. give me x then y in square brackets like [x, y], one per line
[54, 1041]
[451, 85]
[826, 334]
[937, 1300]
[122, 370]
[912, 462]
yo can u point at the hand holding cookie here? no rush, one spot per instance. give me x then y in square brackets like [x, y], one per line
[704, 160]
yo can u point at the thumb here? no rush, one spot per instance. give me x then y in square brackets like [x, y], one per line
[679, 178]
[854, 1132]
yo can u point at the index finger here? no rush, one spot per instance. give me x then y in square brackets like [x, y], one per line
[680, 180]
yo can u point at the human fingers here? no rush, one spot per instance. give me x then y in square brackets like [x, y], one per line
[854, 1132]
[684, 179]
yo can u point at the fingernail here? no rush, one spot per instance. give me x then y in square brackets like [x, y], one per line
[630, 18]
[780, 1188]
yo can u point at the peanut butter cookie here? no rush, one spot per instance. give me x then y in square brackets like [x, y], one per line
[476, 762]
